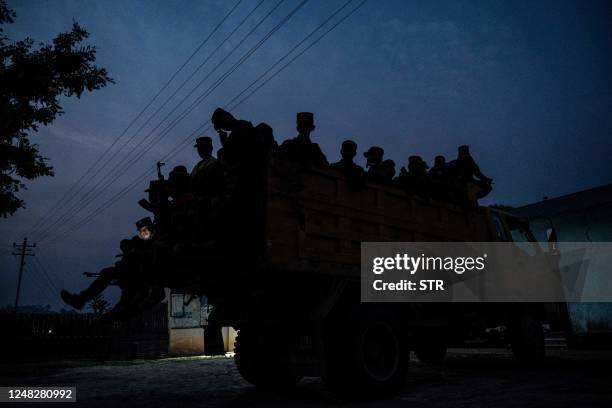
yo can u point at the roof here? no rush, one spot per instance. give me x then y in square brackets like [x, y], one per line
[573, 202]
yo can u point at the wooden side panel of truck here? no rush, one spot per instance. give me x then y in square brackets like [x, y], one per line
[328, 220]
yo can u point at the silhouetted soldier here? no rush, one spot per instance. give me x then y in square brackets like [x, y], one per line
[125, 273]
[181, 210]
[238, 143]
[157, 202]
[207, 175]
[439, 169]
[379, 170]
[416, 178]
[301, 149]
[246, 151]
[465, 172]
[440, 183]
[354, 172]
[387, 170]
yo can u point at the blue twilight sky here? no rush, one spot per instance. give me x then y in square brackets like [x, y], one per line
[526, 84]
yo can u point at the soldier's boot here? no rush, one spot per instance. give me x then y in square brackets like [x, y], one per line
[75, 300]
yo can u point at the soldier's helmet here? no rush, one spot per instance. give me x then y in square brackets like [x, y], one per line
[374, 152]
[144, 222]
[305, 119]
[203, 141]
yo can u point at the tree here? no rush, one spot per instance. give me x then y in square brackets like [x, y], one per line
[31, 83]
[98, 304]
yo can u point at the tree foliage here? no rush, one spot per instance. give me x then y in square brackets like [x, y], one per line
[99, 305]
[32, 80]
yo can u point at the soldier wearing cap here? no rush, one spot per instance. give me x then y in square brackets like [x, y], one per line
[207, 175]
[157, 202]
[301, 149]
[179, 184]
[125, 272]
[146, 230]
[379, 170]
[465, 173]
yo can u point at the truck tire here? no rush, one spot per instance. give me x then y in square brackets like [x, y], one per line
[366, 357]
[262, 364]
[527, 338]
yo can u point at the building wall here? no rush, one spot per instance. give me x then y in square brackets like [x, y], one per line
[187, 325]
[589, 224]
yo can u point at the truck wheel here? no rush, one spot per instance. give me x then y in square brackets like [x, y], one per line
[366, 359]
[432, 352]
[527, 339]
[262, 364]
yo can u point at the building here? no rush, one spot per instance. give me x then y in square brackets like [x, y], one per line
[188, 329]
[584, 216]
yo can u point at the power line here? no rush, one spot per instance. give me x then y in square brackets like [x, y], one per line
[47, 283]
[334, 14]
[128, 161]
[47, 276]
[87, 197]
[205, 127]
[121, 171]
[44, 217]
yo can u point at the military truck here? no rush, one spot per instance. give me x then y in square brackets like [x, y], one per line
[296, 301]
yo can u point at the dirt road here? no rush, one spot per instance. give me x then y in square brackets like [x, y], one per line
[468, 378]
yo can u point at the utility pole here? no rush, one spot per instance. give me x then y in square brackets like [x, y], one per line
[24, 250]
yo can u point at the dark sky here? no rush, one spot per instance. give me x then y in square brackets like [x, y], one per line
[525, 84]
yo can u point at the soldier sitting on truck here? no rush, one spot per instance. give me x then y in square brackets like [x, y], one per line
[439, 170]
[207, 177]
[466, 174]
[416, 179]
[301, 149]
[440, 183]
[379, 171]
[126, 274]
[181, 211]
[157, 202]
[354, 173]
[246, 150]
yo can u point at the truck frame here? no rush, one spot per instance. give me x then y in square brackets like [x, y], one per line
[297, 304]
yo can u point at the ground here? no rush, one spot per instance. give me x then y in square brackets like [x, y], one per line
[483, 378]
